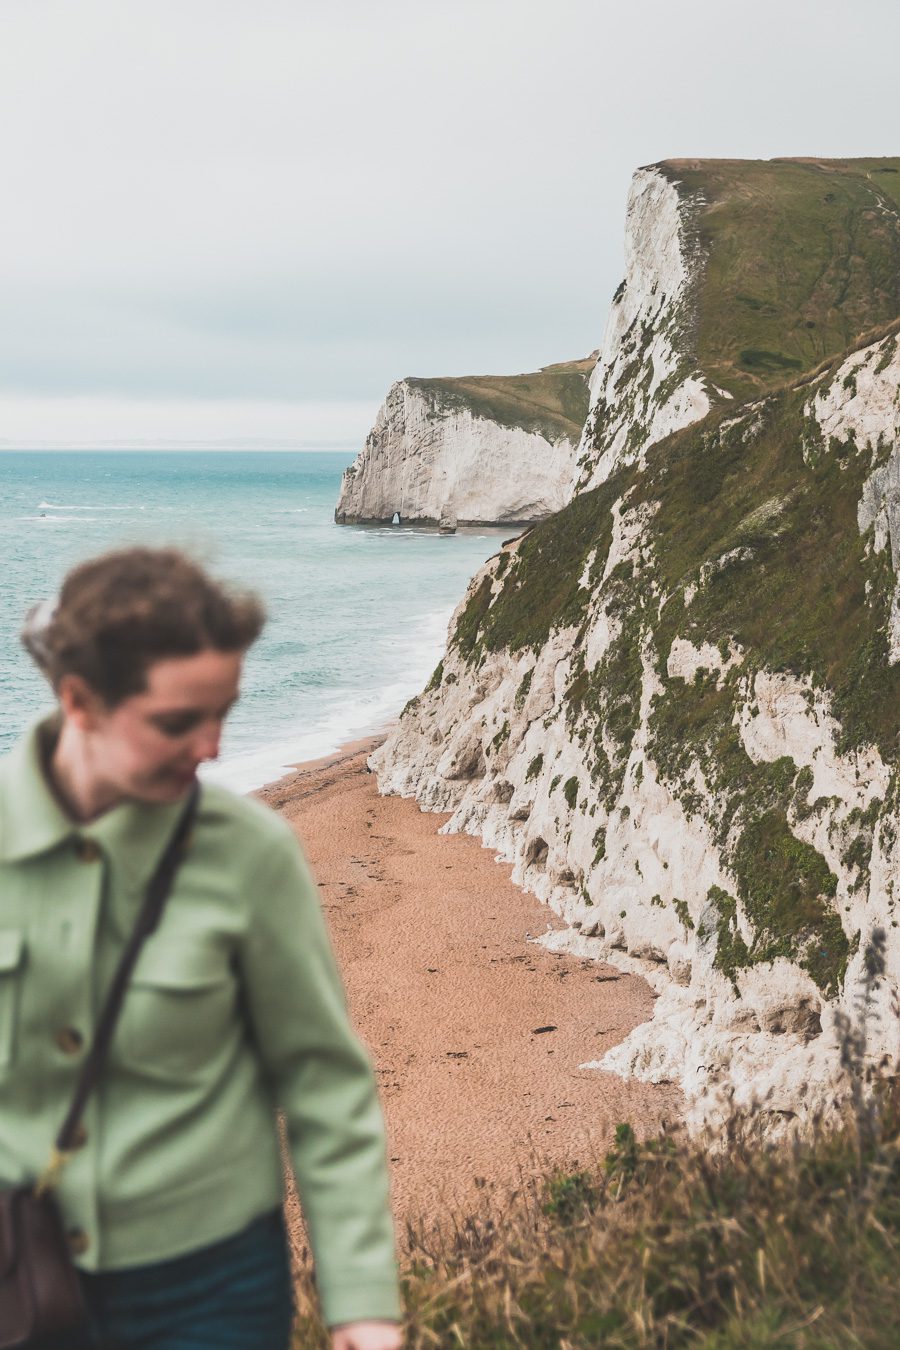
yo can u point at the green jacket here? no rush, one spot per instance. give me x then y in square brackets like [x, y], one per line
[235, 1007]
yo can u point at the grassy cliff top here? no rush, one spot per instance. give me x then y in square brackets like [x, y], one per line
[552, 401]
[802, 256]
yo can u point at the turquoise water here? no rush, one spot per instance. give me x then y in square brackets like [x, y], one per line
[357, 616]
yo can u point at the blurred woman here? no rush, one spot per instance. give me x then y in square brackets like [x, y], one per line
[172, 1201]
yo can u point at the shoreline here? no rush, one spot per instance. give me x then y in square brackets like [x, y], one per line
[261, 770]
[475, 1032]
[346, 750]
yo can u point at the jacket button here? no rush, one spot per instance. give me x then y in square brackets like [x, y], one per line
[69, 1040]
[87, 850]
[78, 1241]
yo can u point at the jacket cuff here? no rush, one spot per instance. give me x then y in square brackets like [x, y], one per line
[361, 1301]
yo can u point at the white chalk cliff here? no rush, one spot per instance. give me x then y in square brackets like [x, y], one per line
[483, 450]
[674, 706]
[646, 383]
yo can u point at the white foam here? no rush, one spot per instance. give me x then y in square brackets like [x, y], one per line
[348, 715]
[76, 506]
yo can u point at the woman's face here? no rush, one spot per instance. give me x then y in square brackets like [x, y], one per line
[150, 745]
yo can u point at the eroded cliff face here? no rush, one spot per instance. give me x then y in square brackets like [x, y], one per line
[737, 274]
[646, 382]
[674, 705]
[637, 750]
[483, 450]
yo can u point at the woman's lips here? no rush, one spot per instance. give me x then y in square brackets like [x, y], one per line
[183, 777]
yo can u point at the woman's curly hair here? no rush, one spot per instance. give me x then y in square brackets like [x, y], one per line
[119, 613]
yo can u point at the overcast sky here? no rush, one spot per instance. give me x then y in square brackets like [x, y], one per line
[245, 218]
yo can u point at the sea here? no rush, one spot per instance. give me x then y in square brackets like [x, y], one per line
[358, 615]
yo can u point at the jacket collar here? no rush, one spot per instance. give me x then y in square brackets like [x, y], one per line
[33, 821]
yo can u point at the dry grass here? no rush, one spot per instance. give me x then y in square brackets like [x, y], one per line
[673, 1243]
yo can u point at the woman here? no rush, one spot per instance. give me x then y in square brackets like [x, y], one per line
[172, 1201]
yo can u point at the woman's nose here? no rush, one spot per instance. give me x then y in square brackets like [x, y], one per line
[206, 745]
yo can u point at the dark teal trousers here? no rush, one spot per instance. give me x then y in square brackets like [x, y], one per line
[233, 1295]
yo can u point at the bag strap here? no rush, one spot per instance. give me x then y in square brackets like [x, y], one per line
[155, 898]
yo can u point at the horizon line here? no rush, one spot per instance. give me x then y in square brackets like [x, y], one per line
[168, 444]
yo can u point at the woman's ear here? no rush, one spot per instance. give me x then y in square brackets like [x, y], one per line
[81, 705]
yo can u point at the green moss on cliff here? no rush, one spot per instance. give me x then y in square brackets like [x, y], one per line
[467, 633]
[684, 914]
[772, 544]
[785, 887]
[522, 690]
[534, 768]
[502, 736]
[540, 590]
[732, 953]
[603, 704]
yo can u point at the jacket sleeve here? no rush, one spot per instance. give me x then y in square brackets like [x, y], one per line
[323, 1080]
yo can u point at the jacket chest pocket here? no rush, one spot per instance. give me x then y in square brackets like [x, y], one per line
[12, 948]
[178, 1010]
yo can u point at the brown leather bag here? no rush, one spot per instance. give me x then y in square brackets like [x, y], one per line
[40, 1292]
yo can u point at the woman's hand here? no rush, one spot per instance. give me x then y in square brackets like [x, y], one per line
[367, 1336]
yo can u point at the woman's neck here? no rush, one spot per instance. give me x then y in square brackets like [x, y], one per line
[72, 778]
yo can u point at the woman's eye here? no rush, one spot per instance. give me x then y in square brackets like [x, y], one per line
[176, 726]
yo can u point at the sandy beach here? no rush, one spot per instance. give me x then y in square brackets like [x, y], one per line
[476, 1033]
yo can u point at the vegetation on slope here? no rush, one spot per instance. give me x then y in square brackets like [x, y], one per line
[756, 491]
[669, 1244]
[761, 516]
[751, 541]
[801, 257]
[552, 402]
